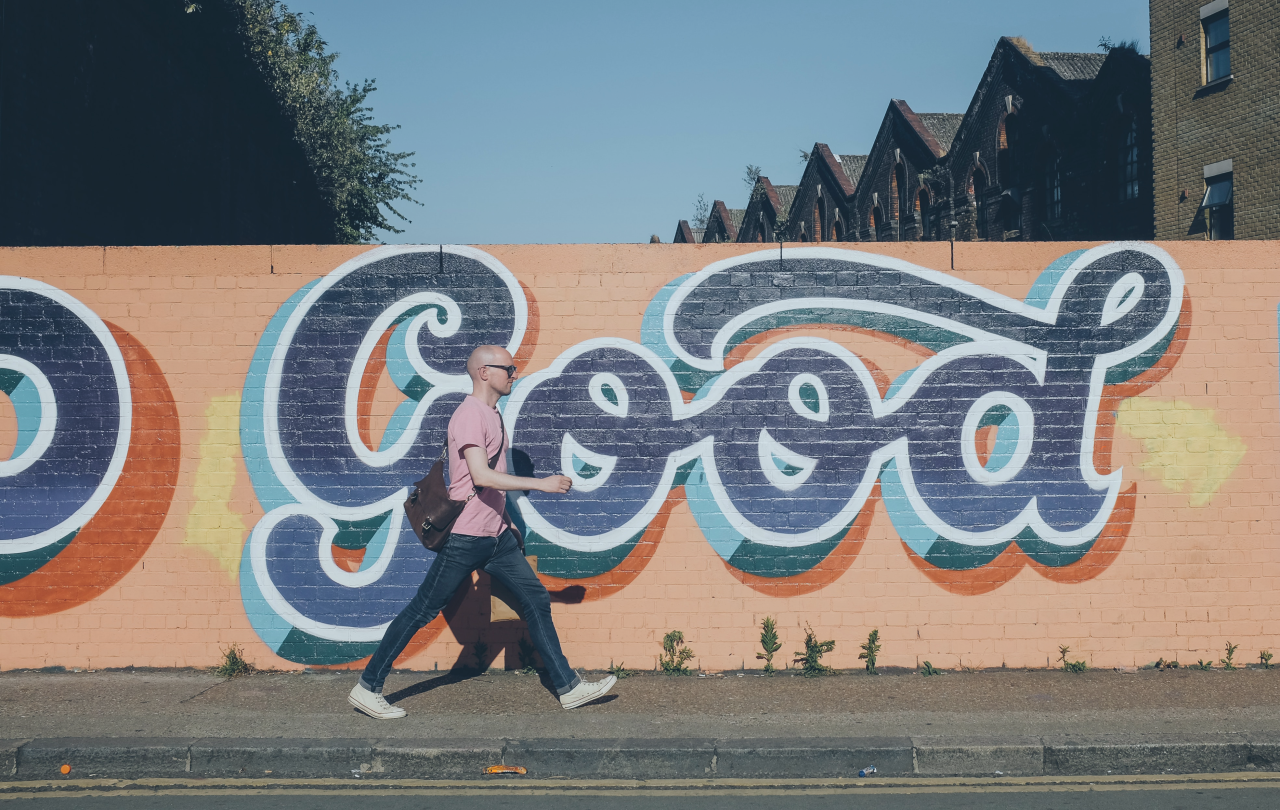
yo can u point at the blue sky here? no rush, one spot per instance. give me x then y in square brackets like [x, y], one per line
[602, 122]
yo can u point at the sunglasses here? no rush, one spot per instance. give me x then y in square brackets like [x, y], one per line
[511, 370]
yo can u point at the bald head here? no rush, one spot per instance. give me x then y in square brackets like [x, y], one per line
[486, 355]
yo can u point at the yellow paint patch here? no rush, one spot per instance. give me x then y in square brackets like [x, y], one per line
[212, 526]
[1185, 447]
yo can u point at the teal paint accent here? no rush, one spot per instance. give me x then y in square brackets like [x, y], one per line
[253, 446]
[1044, 285]
[711, 521]
[1050, 555]
[607, 391]
[810, 398]
[14, 567]
[357, 534]
[270, 626]
[652, 338]
[27, 407]
[560, 562]
[929, 336]
[952, 556]
[304, 648]
[584, 470]
[918, 537]
[1123, 372]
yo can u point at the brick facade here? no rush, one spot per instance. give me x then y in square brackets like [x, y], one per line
[820, 211]
[1198, 123]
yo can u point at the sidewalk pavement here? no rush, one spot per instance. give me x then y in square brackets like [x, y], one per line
[188, 724]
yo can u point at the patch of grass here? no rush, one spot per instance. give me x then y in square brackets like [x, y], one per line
[810, 660]
[1264, 658]
[769, 641]
[1070, 666]
[675, 656]
[620, 671]
[1228, 663]
[1204, 665]
[233, 664]
[929, 669]
[870, 650]
[527, 666]
[1163, 664]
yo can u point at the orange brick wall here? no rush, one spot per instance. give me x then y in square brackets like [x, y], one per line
[155, 576]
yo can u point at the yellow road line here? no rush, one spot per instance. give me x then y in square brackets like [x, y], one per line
[605, 787]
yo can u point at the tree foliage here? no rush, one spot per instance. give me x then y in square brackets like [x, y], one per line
[355, 169]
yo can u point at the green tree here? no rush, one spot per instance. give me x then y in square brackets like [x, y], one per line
[355, 169]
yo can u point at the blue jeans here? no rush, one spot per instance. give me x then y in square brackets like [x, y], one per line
[502, 559]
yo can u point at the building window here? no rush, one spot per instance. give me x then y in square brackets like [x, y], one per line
[1129, 163]
[980, 202]
[877, 221]
[819, 227]
[1053, 190]
[926, 215]
[1217, 206]
[1007, 140]
[902, 199]
[1217, 41]
[839, 228]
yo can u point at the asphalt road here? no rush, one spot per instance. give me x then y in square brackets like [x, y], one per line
[1075, 796]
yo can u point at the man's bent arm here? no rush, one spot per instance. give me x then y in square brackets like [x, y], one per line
[483, 476]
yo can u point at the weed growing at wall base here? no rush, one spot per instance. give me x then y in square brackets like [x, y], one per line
[1070, 666]
[929, 669]
[1204, 665]
[870, 650]
[810, 660]
[1228, 663]
[1264, 658]
[675, 656]
[233, 663]
[620, 671]
[769, 641]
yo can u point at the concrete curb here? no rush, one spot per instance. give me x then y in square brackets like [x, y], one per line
[795, 758]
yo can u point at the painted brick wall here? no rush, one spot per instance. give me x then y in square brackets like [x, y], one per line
[1084, 452]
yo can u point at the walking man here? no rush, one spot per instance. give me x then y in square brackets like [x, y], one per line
[482, 538]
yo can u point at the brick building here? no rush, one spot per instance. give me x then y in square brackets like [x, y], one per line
[1216, 115]
[1053, 146]
[767, 211]
[723, 223]
[820, 211]
[892, 202]
[687, 234]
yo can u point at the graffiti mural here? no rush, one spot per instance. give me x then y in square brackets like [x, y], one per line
[777, 456]
[96, 441]
[419, 312]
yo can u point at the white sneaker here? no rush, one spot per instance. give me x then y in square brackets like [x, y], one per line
[373, 704]
[586, 692]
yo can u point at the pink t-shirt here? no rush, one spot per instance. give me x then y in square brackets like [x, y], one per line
[475, 424]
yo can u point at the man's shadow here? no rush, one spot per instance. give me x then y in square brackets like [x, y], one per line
[469, 617]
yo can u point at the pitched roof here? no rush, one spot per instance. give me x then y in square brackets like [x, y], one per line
[786, 195]
[721, 212]
[853, 165]
[943, 126]
[1074, 66]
